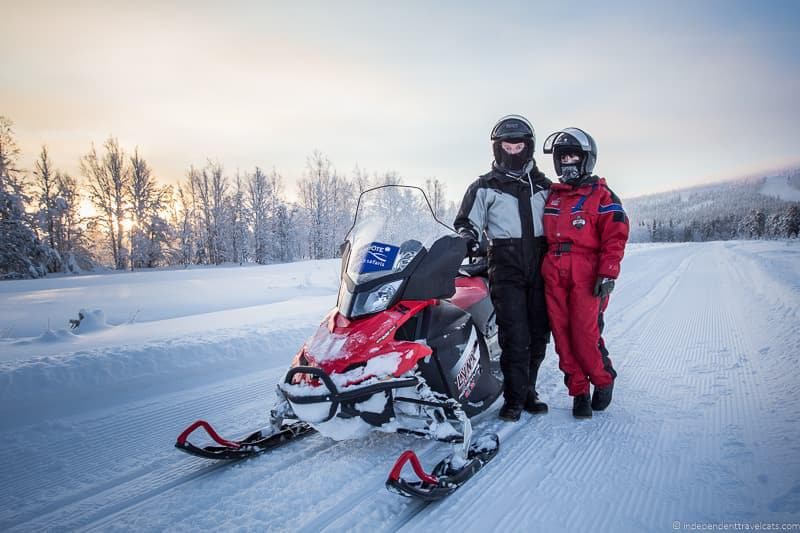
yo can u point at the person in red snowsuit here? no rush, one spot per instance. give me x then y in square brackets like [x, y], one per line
[586, 230]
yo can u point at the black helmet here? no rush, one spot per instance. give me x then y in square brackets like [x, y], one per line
[572, 141]
[513, 128]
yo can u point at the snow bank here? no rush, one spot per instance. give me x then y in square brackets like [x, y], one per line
[29, 307]
[58, 385]
[192, 327]
[90, 320]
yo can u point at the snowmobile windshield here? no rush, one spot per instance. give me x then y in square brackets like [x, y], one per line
[393, 224]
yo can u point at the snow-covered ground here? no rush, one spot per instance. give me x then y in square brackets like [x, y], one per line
[704, 427]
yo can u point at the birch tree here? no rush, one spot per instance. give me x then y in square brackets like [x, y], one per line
[108, 179]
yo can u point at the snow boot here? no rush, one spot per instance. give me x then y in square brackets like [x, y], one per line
[534, 405]
[601, 397]
[510, 412]
[581, 406]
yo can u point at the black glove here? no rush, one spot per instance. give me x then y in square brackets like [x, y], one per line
[472, 244]
[603, 287]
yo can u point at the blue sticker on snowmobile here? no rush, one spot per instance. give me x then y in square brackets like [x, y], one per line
[379, 257]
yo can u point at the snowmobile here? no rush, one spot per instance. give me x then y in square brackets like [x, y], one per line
[411, 347]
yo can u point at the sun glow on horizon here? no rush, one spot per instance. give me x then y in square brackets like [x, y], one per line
[394, 89]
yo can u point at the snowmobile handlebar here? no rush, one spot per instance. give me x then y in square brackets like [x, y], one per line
[332, 393]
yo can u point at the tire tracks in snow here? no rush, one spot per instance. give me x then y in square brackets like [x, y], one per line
[155, 428]
[552, 440]
[159, 422]
[696, 432]
[399, 510]
[128, 503]
[489, 480]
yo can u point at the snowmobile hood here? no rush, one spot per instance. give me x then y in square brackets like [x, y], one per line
[351, 351]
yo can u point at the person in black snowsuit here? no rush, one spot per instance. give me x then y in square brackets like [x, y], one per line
[505, 207]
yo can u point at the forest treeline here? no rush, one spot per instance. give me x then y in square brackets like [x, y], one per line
[720, 212]
[211, 217]
[117, 214]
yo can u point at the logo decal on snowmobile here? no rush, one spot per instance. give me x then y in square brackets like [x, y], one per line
[579, 222]
[470, 367]
[379, 256]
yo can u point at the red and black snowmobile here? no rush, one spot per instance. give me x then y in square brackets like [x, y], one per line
[411, 347]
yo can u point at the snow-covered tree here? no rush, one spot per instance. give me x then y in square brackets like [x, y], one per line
[187, 242]
[150, 232]
[436, 191]
[45, 184]
[22, 254]
[790, 221]
[210, 187]
[69, 227]
[108, 180]
[259, 194]
[731, 210]
[329, 200]
[239, 233]
[361, 180]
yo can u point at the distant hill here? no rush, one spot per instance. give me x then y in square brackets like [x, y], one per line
[750, 208]
[785, 187]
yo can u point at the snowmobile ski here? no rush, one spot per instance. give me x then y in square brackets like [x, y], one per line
[256, 443]
[450, 474]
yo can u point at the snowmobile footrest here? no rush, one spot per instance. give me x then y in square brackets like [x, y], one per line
[255, 443]
[447, 476]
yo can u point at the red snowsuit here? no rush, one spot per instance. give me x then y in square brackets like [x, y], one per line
[586, 230]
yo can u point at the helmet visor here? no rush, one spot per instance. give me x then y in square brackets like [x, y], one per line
[567, 136]
[512, 127]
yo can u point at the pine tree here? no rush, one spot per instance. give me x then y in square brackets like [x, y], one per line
[791, 223]
[22, 254]
[45, 183]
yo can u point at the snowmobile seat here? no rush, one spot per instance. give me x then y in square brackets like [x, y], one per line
[477, 268]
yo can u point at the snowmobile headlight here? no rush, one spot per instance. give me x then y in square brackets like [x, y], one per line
[376, 300]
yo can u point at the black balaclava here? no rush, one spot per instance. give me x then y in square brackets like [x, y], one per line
[515, 164]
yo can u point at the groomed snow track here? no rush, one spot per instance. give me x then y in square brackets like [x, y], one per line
[704, 427]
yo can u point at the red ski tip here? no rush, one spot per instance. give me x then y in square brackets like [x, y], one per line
[405, 457]
[210, 430]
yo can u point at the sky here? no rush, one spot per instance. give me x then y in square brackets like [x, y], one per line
[675, 93]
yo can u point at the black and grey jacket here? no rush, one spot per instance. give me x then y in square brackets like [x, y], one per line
[491, 206]
[507, 211]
